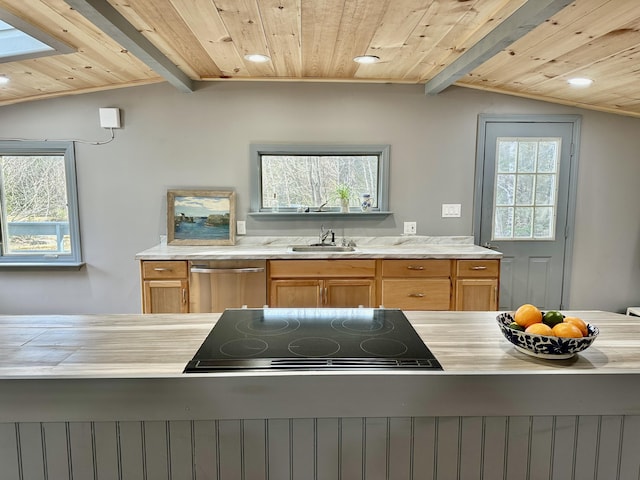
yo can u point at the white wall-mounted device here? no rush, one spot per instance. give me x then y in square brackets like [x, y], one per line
[109, 117]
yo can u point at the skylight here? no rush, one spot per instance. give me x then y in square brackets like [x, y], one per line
[20, 40]
[14, 43]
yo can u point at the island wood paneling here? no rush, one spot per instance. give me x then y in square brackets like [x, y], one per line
[424, 448]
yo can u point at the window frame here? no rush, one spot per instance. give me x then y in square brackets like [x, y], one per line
[73, 259]
[257, 150]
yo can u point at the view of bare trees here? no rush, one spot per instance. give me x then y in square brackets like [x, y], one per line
[310, 181]
[34, 188]
[33, 191]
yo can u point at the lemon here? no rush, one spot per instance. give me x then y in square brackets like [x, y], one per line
[515, 326]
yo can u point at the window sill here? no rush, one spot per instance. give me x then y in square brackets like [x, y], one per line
[298, 215]
[41, 266]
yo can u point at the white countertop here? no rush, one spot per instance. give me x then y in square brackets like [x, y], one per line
[266, 248]
[129, 367]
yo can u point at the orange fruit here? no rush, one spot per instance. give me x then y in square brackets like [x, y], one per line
[566, 329]
[539, 329]
[578, 322]
[527, 314]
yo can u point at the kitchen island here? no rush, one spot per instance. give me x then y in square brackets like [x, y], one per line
[106, 393]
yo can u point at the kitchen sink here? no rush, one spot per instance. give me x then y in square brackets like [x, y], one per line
[321, 248]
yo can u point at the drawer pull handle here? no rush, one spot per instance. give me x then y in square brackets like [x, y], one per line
[416, 295]
[162, 269]
[480, 267]
[415, 267]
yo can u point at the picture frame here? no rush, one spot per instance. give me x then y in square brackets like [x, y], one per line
[201, 217]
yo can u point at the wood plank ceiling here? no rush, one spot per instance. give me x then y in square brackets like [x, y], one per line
[122, 43]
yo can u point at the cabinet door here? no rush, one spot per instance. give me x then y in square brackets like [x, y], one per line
[166, 296]
[350, 293]
[477, 294]
[295, 293]
[417, 294]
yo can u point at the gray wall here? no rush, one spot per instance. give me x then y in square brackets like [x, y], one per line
[176, 140]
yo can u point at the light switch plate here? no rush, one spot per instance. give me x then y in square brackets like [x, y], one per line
[450, 210]
[241, 227]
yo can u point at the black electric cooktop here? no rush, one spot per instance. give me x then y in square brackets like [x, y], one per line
[312, 339]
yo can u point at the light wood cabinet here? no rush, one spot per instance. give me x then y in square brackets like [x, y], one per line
[321, 283]
[165, 286]
[430, 284]
[416, 284]
[477, 283]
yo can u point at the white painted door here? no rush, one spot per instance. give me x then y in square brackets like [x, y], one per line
[525, 175]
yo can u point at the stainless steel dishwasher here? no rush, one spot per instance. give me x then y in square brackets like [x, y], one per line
[218, 284]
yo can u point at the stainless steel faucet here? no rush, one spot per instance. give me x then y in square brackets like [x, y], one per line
[325, 233]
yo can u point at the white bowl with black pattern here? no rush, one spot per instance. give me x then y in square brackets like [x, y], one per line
[543, 346]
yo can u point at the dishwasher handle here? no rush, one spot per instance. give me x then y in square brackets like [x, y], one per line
[201, 269]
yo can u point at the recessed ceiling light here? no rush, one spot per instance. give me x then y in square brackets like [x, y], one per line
[4, 80]
[257, 58]
[367, 59]
[579, 82]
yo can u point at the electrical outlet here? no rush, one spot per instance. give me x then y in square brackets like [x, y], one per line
[450, 210]
[241, 227]
[410, 228]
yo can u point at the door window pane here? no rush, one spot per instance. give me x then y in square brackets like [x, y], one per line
[524, 190]
[526, 180]
[548, 156]
[545, 190]
[527, 157]
[507, 157]
[504, 222]
[523, 222]
[505, 189]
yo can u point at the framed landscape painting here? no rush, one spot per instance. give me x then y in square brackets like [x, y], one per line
[201, 217]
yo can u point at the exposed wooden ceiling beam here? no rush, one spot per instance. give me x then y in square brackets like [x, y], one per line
[106, 18]
[521, 22]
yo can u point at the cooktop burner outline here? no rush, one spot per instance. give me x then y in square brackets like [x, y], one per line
[355, 326]
[313, 347]
[260, 327]
[384, 347]
[244, 347]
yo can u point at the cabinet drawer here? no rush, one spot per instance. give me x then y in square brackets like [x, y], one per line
[321, 268]
[416, 268]
[164, 269]
[478, 268]
[418, 294]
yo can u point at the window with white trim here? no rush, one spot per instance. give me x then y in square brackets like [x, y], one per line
[526, 187]
[38, 204]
